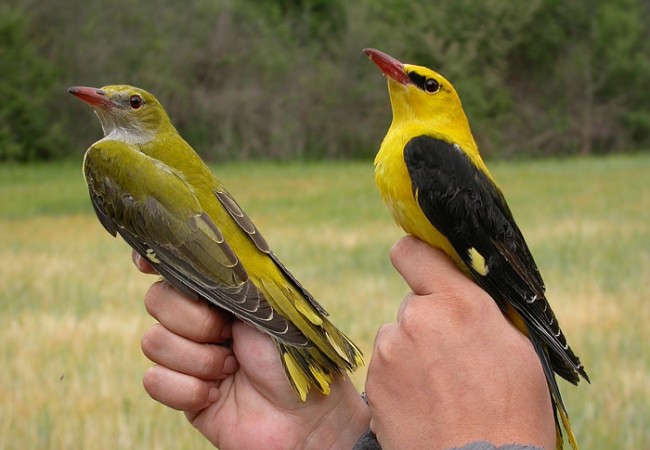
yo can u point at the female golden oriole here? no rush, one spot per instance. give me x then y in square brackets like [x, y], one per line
[148, 185]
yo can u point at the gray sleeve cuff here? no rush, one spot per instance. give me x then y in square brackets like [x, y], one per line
[368, 441]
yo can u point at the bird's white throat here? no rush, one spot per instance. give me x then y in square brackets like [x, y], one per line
[125, 131]
[132, 136]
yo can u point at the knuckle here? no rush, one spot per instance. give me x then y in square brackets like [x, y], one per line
[206, 326]
[209, 363]
[385, 343]
[413, 314]
[460, 302]
[470, 303]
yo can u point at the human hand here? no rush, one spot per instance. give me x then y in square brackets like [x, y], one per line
[237, 395]
[453, 370]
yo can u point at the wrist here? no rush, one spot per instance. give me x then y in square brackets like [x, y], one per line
[344, 422]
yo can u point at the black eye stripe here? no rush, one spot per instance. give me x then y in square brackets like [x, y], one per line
[420, 81]
[417, 79]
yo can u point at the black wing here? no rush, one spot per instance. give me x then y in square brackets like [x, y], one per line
[463, 204]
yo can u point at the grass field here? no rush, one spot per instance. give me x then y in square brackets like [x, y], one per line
[71, 310]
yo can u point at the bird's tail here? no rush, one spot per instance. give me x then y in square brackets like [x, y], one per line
[560, 410]
[564, 417]
[310, 366]
[556, 398]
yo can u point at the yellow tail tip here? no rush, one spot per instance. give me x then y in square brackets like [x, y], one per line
[297, 379]
[301, 381]
[569, 432]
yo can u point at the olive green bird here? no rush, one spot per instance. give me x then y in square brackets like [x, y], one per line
[148, 185]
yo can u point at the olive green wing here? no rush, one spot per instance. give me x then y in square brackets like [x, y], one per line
[157, 213]
[247, 225]
[333, 349]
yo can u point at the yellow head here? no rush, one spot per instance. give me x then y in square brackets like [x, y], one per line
[424, 101]
[126, 113]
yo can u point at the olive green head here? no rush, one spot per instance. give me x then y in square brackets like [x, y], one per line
[126, 113]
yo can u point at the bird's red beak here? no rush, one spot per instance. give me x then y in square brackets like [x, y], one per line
[388, 65]
[90, 95]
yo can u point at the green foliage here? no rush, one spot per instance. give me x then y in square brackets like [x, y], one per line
[286, 79]
[590, 69]
[28, 130]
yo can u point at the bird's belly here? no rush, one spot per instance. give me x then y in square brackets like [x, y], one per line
[408, 215]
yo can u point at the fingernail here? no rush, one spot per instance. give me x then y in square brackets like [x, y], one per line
[213, 394]
[229, 365]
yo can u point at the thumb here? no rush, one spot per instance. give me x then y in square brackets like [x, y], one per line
[422, 266]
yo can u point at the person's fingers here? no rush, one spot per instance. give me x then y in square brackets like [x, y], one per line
[383, 354]
[141, 263]
[432, 275]
[385, 332]
[178, 390]
[204, 361]
[403, 305]
[194, 320]
[421, 265]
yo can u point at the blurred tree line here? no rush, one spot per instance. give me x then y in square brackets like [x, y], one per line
[287, 79]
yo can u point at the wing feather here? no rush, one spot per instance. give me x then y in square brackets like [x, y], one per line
[178, 238]
[247, 225]
[463, 204]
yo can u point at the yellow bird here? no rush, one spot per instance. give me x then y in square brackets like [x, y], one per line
[148, 185]
[432, 178]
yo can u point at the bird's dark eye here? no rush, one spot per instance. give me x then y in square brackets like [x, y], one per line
[431, 86]
[135, 101]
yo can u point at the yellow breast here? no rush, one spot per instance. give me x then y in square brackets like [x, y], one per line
[394, 183]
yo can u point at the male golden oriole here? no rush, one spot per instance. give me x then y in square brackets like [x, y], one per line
[432, 178]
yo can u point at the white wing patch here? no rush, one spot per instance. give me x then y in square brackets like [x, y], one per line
[477, 261]
[151, 256]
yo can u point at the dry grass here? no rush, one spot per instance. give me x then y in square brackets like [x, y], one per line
[72, 314]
